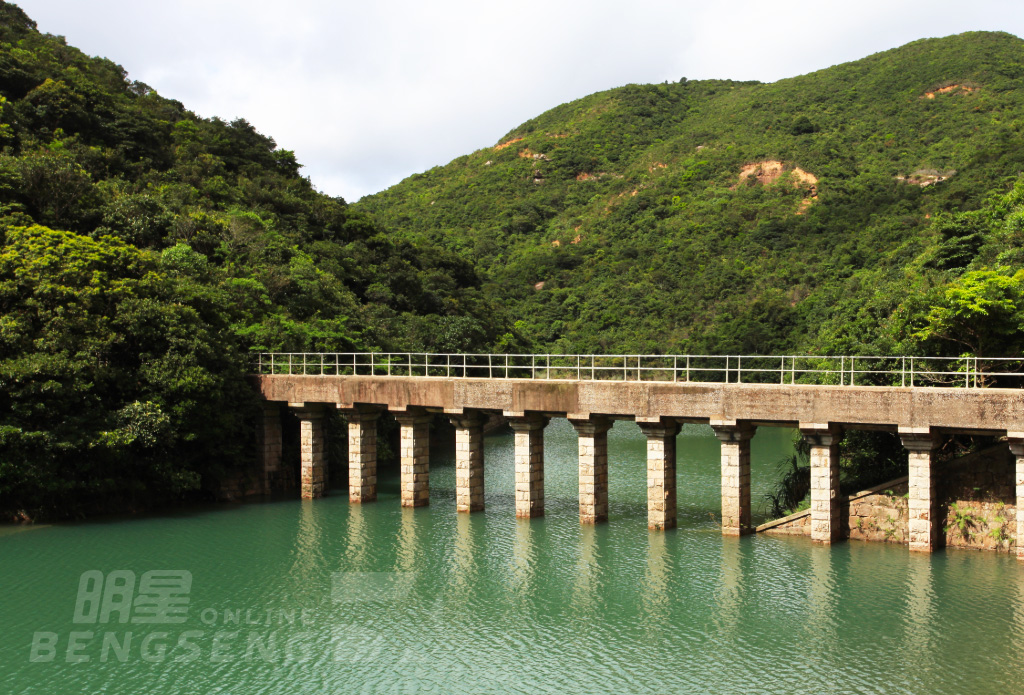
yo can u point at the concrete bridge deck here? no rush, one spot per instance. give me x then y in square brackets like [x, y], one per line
[921, 415]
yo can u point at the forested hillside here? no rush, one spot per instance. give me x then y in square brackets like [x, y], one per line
[868, 208]
[144, 251]
[873, 207]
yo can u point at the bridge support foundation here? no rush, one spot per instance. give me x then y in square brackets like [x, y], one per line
[1017, 447]
[923, 523]
[269, 447]
[362, 453]
[469, 462]
[529, 464]
[735, 438]
[414, 453]
[313, 457]
[824, 441]
[593, 448]
[661, 473]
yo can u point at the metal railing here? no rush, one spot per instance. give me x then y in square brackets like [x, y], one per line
[964, 372]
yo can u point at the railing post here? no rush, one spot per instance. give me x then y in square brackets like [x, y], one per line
[593, 370]
[739, 368]
[687, 369]
[782, 372]
[675, 368]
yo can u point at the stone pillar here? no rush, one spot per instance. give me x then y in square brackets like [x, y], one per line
[529, 464]
[924, 525]
[469, 462]
[362, 453]
[269, 446]
[661, 472]
[824, 441]
[313, 469]
[1016, 440]
[735, 438]
[593, 442]
[415, 457]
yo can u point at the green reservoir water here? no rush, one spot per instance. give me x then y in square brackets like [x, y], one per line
[328, 597]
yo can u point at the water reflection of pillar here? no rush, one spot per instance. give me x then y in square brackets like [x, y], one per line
[524, 558]
[463, 561]
[729, 595]
[309, 545]
[408, 542]
[822, 621]
[586, 593]
[920, 620]
[655, 596]
[356, 554]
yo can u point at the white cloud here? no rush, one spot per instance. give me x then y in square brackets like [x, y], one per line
[368, 93]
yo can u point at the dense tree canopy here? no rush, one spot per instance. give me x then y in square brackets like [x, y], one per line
[144, 252]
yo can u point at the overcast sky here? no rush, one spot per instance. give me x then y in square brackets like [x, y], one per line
[368, 93]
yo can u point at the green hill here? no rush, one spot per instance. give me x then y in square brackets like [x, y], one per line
[826, 213]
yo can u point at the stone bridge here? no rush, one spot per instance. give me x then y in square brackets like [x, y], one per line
[928, 401]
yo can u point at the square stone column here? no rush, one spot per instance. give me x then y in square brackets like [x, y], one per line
[923, 525]
[529, 463]
[269, 446]
[593, 443]
[313, 457]
[661, 472]
[414, 453]
[469, 462]
[735, 438]
[362, 453]
[824, 441]
[1016, 440]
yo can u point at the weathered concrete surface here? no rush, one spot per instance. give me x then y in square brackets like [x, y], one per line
[954, 409]
[593, 462]
[529, 464]
[313, 457]
[469, 462]
[661, 473]
[735, 438]
[415, 457]
[824, 443]
[269, 448]
[362, 453]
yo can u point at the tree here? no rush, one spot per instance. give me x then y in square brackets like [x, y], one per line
[982, 311]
